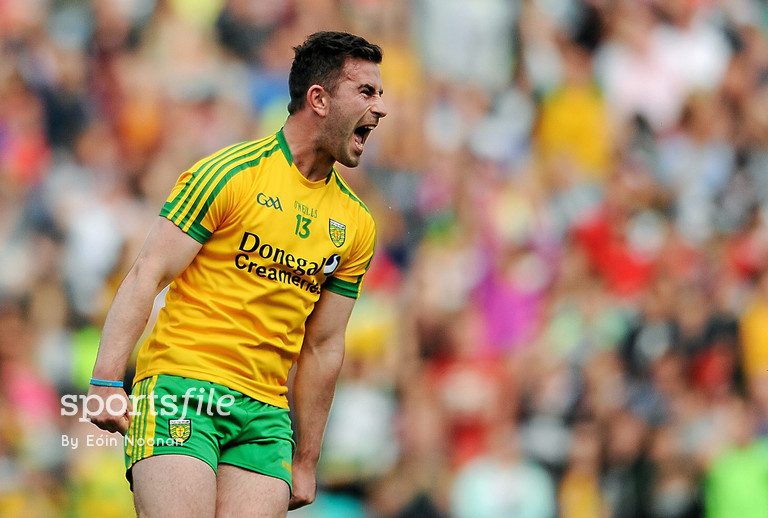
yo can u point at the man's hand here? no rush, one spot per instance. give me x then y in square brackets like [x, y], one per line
[103, 405]
[304, 486]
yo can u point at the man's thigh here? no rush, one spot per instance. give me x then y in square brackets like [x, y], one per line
[245, 494]
[174, 486]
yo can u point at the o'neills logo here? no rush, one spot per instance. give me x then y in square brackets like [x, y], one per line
[280, 265]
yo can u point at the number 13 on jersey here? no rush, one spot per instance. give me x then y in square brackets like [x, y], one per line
[302, 226]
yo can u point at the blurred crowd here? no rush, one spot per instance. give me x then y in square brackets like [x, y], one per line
[567, 315]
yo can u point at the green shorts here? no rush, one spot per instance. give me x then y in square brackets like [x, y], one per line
[218, 425]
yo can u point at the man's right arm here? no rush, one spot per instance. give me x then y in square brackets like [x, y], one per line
[167, 251]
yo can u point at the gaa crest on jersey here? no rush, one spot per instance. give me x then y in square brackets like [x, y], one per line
[337, 231]
[180, 430]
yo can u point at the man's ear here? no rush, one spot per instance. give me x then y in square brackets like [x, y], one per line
[317, 99]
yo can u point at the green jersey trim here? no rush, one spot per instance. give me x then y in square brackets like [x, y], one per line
[346, 190]
[284, 146]
[223, 181]
[182, 204]
[212, 178]
[217, 180]
[347, 289]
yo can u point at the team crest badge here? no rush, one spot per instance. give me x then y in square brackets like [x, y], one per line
[180, 429]
[338, 232]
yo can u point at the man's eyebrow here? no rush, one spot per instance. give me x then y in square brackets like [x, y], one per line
[368, 86]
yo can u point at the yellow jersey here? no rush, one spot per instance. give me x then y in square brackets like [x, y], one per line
[272, 242]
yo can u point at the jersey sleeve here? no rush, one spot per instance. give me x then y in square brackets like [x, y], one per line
[201, 197]
[348, 279]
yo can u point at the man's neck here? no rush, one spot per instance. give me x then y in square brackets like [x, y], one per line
[301, 137]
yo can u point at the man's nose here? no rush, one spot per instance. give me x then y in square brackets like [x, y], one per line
[379, 109]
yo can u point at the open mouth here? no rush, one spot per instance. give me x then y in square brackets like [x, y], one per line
[361, 134]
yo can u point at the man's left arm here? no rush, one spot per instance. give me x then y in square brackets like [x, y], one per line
[317, 370]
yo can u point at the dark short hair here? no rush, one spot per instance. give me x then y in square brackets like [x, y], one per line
[320, 60]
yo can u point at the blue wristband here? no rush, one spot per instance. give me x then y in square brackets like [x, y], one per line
[106, 383]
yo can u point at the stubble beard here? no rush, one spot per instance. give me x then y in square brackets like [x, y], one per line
[336, 141]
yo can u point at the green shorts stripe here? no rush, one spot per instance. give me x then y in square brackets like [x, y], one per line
[136, 418]
[218, 425]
